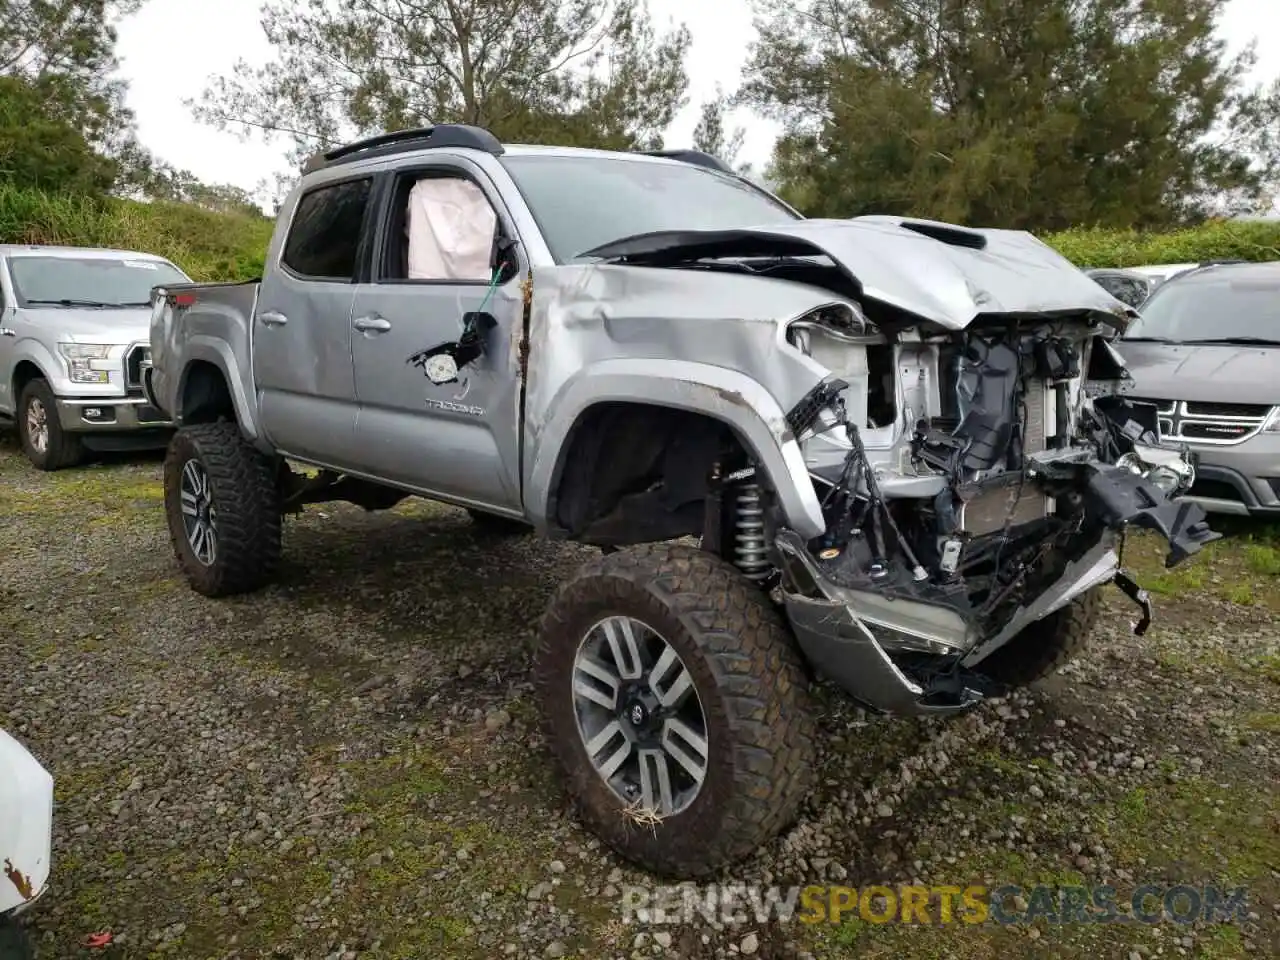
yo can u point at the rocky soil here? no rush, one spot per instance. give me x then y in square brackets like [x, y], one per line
[348, 764]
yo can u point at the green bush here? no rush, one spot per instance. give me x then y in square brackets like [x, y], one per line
[226, 246]
[1217, 240]
[208, 245]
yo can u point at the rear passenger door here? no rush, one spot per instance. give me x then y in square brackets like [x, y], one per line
[302, 325]
[457, 440]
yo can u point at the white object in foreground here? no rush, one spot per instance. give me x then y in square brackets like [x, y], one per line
[26, 826]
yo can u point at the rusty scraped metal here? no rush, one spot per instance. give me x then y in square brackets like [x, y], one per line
[526, 291]
[18, 879]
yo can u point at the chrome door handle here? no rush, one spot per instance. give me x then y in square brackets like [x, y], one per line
[273, 318]
[372, 324]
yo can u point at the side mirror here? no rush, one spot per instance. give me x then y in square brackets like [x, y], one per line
[502, 257]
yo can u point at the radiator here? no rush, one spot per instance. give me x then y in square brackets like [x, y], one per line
[991, 510]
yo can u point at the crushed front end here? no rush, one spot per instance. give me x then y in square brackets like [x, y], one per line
[974, 482]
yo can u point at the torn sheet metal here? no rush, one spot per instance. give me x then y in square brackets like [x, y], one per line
[713, 343]
[939, 272]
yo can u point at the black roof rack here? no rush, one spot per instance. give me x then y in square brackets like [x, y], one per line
[699, 158]
[400, 141]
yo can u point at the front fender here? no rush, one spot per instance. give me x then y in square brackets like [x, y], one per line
[52, 368]
[718, 392]
[215, 351]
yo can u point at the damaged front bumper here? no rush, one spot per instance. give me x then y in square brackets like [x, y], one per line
[870, 645]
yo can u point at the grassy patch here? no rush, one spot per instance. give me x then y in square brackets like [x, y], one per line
[1221, 828]
[1240, 594]
[1266, 722]
[1240, 569]
[207, 245]
[1262, 559]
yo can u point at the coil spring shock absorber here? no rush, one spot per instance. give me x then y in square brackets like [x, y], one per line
[749, 552]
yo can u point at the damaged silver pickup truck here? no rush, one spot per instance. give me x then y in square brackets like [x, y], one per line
[902, 446]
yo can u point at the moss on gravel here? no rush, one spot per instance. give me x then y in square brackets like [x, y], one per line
[317, 755]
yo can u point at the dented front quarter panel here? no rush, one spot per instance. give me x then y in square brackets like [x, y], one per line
[712, 343]
[26, 825]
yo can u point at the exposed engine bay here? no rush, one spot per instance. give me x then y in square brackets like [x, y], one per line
[970, 487]
[968, 438]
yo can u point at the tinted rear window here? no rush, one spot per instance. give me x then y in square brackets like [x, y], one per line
[324, 236]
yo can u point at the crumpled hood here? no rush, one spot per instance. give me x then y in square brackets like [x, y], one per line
[1207, 373]
[937, 271]
[93, 325]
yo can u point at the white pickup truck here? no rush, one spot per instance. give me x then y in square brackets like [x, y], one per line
[73, 345]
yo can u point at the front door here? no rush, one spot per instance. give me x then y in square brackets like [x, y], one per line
[431, 279]
[302, 328]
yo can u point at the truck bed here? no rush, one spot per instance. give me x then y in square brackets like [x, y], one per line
[176, 336]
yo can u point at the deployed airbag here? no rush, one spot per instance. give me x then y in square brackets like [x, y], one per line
[451, 228]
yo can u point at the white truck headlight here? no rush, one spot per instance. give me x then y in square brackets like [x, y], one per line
[87, 362]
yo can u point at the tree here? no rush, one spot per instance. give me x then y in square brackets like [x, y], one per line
[64, 51]
[710, 134]
[43, 151]
[181, 186]
[1034, 114]
[590, 72]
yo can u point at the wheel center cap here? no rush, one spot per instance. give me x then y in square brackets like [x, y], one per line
[637, 715]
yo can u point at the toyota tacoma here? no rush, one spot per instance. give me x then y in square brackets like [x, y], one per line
[892, 452]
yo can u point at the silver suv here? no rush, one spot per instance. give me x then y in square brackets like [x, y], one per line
[73, 348]
[891, 441]
[1206, 354]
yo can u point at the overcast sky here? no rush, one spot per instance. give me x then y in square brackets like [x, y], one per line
[171, 48]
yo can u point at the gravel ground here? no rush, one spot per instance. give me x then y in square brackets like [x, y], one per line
[347, 764]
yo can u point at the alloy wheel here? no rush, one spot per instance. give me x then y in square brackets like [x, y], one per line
[38, 425]
[199, 518]
[640, 717]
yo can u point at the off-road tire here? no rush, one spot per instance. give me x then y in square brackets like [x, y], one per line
[750, 683]
[491, 524]
[65, 449]
[242, 481]
[1044, 647]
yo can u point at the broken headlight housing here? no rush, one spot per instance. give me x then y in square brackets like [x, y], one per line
[1171, 471]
